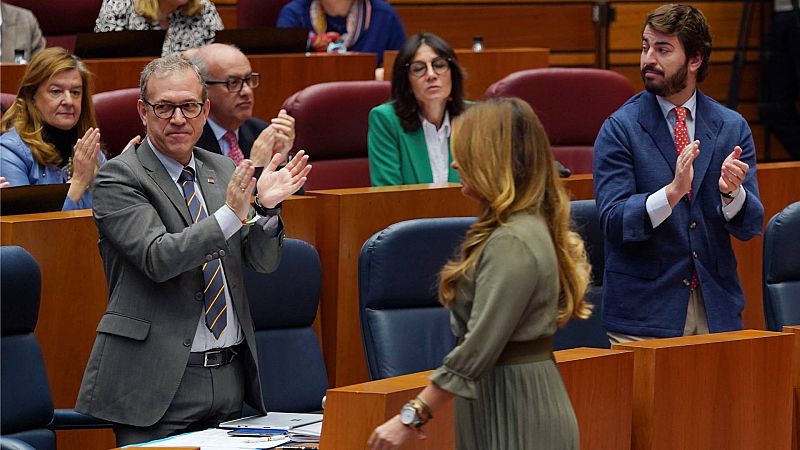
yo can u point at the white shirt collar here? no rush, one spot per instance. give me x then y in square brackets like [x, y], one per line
[443, 131]
[667, 106]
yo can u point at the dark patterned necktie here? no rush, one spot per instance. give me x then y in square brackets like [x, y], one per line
[215, 304]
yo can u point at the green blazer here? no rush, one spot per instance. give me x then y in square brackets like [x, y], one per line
[395, 156]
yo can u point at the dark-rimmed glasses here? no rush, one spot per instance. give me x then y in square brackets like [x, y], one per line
[190, 110]
[439, 65]
[235, 84]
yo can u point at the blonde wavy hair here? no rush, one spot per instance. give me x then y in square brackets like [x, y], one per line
[26, 117]
[150, 8]
[504, 158]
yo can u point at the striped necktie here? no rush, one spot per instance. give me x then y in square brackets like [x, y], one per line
[215, 304]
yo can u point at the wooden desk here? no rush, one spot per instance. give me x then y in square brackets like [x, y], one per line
[598, 381]
[347, 218]
[727, 391]
[281, 75]
[795, 384]
[484, 68]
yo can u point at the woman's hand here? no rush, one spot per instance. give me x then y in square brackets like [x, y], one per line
[391, 435]
[84, 157]
[84, 163]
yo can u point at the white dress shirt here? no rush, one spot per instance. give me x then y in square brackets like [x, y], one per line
[438, 144]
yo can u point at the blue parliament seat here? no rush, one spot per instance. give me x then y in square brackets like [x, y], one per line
[782, 269]
[589, 332]
[404, 327]
[284, 304]
[26, 407]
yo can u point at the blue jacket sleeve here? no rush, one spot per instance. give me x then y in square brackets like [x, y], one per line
[623, 213]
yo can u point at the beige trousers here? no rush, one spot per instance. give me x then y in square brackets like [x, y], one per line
[696, 321]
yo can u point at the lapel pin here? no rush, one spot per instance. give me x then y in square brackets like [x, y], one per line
[211, 180]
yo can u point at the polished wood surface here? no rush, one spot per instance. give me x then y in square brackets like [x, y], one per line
[352, 412]
[484, 68]
[598, 381]
[727, 391]
[795, 384]
[281, 75]
[600, 386]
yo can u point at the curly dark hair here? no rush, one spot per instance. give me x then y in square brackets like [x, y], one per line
[405, 105]
[691, 27]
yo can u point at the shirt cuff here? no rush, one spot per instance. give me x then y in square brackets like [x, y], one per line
[228, 221]
[731, 209]
[658, 207]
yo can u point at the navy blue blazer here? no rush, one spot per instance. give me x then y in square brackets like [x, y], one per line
[248, 133]
[647, 269]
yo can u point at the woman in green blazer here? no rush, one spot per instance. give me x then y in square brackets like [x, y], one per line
[409, 137]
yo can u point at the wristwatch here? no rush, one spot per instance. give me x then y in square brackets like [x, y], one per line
[731, 194]
[264, 211]
[410, 417]
[415, 413]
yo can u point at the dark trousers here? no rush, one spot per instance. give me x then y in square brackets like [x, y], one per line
[205, 397]
[780, 80]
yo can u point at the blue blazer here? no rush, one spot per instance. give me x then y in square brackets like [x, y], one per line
[646, 271]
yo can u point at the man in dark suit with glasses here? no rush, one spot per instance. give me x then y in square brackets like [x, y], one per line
[231, 128]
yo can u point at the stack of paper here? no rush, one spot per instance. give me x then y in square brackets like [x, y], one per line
[308, 433]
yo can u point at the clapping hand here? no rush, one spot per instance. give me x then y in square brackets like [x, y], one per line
[277, 138]
[733, 172]
[276, 185]
[684, 173]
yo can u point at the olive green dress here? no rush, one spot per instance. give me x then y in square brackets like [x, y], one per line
[512, 295]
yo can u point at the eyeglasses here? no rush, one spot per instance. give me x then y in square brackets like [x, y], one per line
[189, 110]
[439, 65]
[235, 84]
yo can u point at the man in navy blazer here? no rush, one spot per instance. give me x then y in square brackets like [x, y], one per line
[231, 82]
[671, 192]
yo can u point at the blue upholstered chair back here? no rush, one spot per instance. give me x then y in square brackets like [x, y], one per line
[405, 328]
[589, 332]
[26, 410]
[284, 304]
[782, 269]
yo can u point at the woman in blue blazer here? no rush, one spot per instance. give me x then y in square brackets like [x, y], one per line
[409, 137]
[50, 133]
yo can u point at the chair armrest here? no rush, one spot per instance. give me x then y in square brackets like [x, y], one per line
[69, 419]
[7, 443]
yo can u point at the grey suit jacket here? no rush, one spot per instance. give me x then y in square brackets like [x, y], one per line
[152, 256]
[20, 31]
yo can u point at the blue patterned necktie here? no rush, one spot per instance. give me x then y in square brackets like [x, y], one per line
[215, 304]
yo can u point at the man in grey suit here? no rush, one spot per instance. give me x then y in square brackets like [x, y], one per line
[175, 349]
[20, 34]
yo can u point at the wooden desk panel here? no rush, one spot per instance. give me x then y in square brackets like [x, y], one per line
[727, 391]
[484, 68]
[599, 383]
[600, 386]
[281, 75]
[795, 385]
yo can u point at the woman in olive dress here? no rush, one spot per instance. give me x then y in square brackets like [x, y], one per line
[520, 274]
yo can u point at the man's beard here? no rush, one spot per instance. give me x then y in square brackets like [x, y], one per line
[670, 86]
